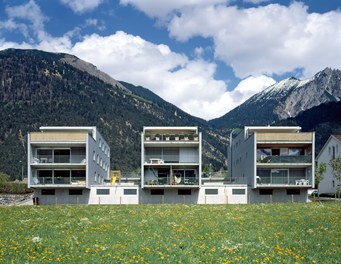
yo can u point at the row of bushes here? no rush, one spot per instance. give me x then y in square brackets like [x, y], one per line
[14, 188]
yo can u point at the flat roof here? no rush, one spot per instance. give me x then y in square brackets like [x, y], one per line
[68, 128]
[284, 129]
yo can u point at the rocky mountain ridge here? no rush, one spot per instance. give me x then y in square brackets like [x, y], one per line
[284, 99]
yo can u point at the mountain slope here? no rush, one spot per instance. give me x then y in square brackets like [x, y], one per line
[283, 100]
[46, 89]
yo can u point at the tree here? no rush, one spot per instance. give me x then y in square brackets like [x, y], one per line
[320, 170]
[336, 171]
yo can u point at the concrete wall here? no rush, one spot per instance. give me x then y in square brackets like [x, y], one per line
[98, 160]
[278, 196]
[116, 195]
[204, 195]
[243, 159]
[62, 196]
[329, 183]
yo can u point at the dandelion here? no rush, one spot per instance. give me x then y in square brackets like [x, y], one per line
[37, 240]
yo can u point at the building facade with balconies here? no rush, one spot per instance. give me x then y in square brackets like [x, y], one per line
[64, 162]
[277, 163]
[170, 164]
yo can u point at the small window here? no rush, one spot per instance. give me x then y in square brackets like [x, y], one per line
[184, 192]
[293, 192]
[211, 191]
[94, 156]
[75, 191]
[265, 192]
[157, 192]
[130, 191]
[48, 192]
[238, 191]
[103, 191]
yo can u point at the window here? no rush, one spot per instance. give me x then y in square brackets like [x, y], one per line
[94, 156]
[265, 192]
[61, 155]
[333, 155]
[184, 192]
[44, 176]
[75, 191]
[48, 192]
[333, 183]
[238, 191]
[157, 192]
[103, 191]
[293, 191]
[62, 177]
[211, 191]
[130, 191]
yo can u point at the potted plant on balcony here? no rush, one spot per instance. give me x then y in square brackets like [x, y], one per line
[157, 137]
[147, 137]
[177, 137]
[196, 137]
[167, 137]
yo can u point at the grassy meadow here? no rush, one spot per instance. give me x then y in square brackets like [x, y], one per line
[263, 233]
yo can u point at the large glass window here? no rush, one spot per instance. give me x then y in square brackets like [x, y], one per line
[44, 155]
[44, 177]
[62, 177]
[279, 176]
[61, 155]
[78, 176]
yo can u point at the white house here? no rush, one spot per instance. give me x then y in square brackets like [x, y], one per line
[330, 150]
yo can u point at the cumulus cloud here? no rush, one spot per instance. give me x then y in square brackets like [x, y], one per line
[30, 12]
[271, 39]
[162, 9]
[82, 6]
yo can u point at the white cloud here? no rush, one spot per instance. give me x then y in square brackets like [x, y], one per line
[30, 12]
[82, 6]
[256, 1]
[162, 9]
[262, 40]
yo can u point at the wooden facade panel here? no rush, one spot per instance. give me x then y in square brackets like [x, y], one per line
[58, 136]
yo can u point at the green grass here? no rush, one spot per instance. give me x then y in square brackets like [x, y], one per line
[264, 233]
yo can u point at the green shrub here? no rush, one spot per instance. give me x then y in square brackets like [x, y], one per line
[14, 188]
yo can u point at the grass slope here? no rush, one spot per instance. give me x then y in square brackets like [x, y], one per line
[271, 233]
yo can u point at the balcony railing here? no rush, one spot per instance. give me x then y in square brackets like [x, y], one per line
[285, 180]
[59, 180]
[162, 137]
[173, 181]
[162, 159]
[284, 159]
[59, 159]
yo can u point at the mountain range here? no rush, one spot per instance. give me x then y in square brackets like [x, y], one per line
[52, 89]
[284, 99]
[47, 89]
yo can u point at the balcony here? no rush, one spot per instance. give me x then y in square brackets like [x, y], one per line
[59, 177]
[171, 137]
[283, 177]
[172, 182]
[283, 181]
[52, 159]
[284, 159]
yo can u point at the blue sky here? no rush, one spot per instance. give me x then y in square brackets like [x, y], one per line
[205, 56]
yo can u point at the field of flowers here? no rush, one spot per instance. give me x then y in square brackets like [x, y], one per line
[264, 233]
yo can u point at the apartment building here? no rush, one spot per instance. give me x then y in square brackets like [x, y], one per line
[64, 162]
[276, 163]
[330, 151]
[170, 163]
[171, 170]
